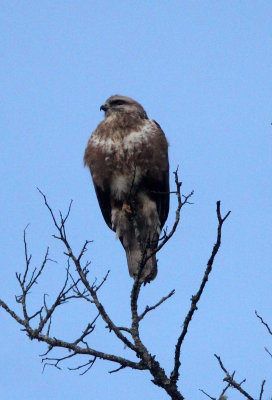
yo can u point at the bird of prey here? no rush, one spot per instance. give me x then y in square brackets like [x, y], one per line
[128, 159]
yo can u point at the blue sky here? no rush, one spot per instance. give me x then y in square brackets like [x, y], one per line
[202, 69]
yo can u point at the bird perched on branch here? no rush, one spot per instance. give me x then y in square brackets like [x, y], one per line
[128, 158]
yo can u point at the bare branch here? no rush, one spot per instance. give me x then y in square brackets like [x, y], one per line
[160, 378]
[57, 361]
[262, 390]
[34, 278]
[13, 314]
[263, 322]
[84, 249]
[178, 210]
[206, 394]
[103, 281]
[63, 220]
[62, 298]
[117, 369]
[27, 259]
[266, 349]
[195, 299]
[59, 300]
[147, 309]
[232, 382]
[100, 307]
[78, 293]
[50, 348]
[54, 342]
[49, 208]
[89, 365]
[39, 312]
[222, 395]
[89, 329]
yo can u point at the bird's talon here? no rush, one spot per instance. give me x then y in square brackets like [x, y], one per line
[126, 208]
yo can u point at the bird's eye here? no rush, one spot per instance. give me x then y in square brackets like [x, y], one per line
[117, 102]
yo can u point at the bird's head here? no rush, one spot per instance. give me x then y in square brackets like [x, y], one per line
[122, 104]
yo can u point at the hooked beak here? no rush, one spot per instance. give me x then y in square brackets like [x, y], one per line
[104, 107]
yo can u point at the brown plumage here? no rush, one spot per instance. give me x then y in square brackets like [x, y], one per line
[128, 158]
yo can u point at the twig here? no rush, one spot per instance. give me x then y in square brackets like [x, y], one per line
[221, 396]
[226, 388]
[147, 309]
[262, 390]
[84, 249]
[178, 210]
[90, 363]
[96, 288]
[212, 398]
[231, 381]
[266, 349]
[263, 322]
[89, 329]
[54, 342]
[117, 369]
[57, 361]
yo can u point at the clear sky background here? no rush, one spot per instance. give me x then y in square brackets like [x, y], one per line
[202, 69]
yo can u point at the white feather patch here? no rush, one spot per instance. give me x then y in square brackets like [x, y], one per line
[150, 213]
[122, 184]
[135, 138]
[130, 142]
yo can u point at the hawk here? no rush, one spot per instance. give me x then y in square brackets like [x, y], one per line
[127, 155]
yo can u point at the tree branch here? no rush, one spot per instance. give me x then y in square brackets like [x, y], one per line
[232, 382]
[262, 390]
[148, 309]
[263, 322]
[195, 299]
[178, 210]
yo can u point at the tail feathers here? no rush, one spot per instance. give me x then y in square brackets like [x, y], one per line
[134, 257]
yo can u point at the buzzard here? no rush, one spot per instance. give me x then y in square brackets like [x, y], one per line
[128, 159]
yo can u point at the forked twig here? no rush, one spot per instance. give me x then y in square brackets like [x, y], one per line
[231, 381]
